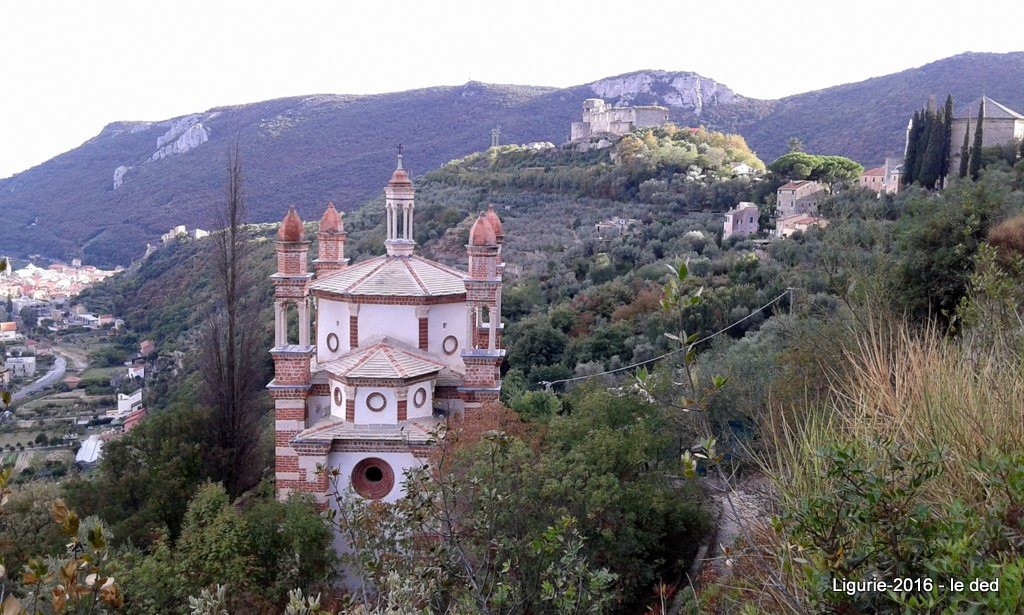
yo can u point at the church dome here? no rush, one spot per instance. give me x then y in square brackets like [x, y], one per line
[331, 221]
[495, 222]
[291, 228]
[482, 233]
[400, 178]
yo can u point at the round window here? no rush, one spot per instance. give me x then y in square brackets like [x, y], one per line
[419, 397]
[332, 342]
[373, 478]
[376, 402]
[450, 344]
[339, 398]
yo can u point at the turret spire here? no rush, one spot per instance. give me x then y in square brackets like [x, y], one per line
[399, 202]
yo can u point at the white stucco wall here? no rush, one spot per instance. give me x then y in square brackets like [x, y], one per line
[399, 462]
[396, 321]
[442, 321]
[331, 317]
[345, 462]
[427, 409]
[365, 416]
[318, 407]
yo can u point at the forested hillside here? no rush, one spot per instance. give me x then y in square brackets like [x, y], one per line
[855, 390]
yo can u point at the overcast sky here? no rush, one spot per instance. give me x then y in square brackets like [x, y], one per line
[69, 68]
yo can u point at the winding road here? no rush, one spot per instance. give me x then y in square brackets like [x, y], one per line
[48, 379]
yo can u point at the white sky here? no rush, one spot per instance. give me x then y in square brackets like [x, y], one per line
[68, 68]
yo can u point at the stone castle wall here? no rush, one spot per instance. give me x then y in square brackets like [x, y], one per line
[599, 118]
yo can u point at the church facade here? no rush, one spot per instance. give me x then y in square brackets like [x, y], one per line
[398, 343]
[1000, 126]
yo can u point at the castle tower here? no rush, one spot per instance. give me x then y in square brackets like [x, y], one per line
[331, 243]
[292, 361]
[399, 202]
[484, 355]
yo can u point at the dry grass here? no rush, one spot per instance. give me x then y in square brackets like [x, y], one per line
[916, 392]
[1008, 237]
[920, 392]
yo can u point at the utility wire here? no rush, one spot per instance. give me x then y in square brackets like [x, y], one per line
[789, 291]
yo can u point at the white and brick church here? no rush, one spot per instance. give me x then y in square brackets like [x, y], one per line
[398, 342]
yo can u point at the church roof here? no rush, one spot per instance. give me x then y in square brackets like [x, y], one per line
[993, 111]
[413, 431]
[390, 276]
[386, 358]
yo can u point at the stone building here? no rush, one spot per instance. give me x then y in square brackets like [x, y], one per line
[598, 118]
[741, 220]
[784, 227]
[398, 343]
[799, 197]
[1000, 125]
[884, 179]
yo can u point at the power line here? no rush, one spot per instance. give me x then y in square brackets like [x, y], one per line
[789, 291]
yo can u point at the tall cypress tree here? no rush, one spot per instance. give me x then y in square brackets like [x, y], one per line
[931, 163]
[947, 142]
[965, 151]
[922, 143]
[913, 134]
[975, 167]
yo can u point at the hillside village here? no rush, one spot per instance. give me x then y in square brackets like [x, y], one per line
[642, 365]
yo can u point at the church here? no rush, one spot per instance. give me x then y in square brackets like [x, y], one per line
[386, 348]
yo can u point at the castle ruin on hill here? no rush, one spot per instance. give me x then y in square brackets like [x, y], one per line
[598, 118]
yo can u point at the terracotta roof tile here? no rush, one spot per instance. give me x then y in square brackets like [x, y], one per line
[386, 358]
[389, 276]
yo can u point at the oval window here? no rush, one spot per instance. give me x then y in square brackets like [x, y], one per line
[373, 478]
[332, 342]
[450, 344]
[376, 402]
[339, 399]
[419, 397]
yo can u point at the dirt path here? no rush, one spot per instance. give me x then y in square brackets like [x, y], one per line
[79, 358]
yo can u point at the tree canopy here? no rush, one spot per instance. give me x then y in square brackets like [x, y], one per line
[826, 169]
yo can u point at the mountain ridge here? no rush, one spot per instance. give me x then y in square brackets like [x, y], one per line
[135, 179]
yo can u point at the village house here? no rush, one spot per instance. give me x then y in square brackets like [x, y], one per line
[884, 179]
[134, 418]
[136, 370]
[126, 404]
[741, 220]
[742, 168]
[799, 197]
[873, 179]
[614, 227]
[181, 232]
[784, 227]
[398, 343]
[147, 348]
[9, 331]
[21, 367]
